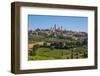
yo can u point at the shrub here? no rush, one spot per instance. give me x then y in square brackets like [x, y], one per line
[35, 47]
[52, 47]
[44, 44]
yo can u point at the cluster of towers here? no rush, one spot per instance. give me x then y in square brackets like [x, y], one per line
[54, 29]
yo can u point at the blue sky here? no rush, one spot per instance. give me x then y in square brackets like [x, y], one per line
[73, 23]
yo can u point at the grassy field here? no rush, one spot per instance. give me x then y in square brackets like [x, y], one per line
[48, 54]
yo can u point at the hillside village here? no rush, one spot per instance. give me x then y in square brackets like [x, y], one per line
[59, 31]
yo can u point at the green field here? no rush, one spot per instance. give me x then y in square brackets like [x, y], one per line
[48, 54]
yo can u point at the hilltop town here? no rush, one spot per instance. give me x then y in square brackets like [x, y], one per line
[60, 31]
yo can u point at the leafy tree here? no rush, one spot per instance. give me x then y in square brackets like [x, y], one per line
[78, 43]
[61, 37]
[85, 42]
[51, 47]
[44, 44]
[37, 29]
[85, 55]
[30, 52]
[35, 47]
